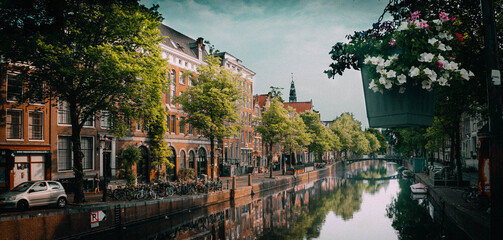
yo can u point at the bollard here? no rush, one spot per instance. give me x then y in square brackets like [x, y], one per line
[249, 179]
[234, 182]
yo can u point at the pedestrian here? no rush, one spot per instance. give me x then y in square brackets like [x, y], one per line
[96, 183]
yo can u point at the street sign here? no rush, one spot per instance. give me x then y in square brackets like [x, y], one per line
[97, 217]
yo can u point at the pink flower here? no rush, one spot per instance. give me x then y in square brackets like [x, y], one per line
[392, 42]
[453, 58]
[440, 65]
[415, 15]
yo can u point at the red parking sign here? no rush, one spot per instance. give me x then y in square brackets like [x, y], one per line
[95, 217]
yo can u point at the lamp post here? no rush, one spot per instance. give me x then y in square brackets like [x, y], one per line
[495, 107]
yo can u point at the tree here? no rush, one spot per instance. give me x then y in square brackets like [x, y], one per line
[273, 126]
[96, 56]
[323, 139]
[380, 137]
[347, 129]
[296, 137]
[374, 144]
[130, 155]
[212, 103]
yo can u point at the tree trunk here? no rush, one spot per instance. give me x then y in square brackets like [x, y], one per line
[212, 158]
[270, 160]
[459, 172]
[77, 156]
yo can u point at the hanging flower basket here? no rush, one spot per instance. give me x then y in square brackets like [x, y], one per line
[395, 109]
[401, 64]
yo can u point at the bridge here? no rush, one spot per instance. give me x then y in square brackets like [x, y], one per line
[387, 159]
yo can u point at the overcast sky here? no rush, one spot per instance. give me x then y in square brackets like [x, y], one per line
[276, 38]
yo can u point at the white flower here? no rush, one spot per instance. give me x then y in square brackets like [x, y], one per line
[380, 69]
[425, 57]
[437, 21]
[470, 74]
[448, 48]
[449, 37]
[403, 26]
[441, 47]
[432, 41]
[380, 60]
[402, 90]
[426, 84]
[388, 84]
[367, 60]
[442, 35]
[373, 86]
[401, 79]
[431, 74]
[391, 74]
[442, 81]
[374, 60]
[440, 58]
[387, 63]
[414, 71]
[464, 74]
[382, 80]
[393, 57]
[450, 66]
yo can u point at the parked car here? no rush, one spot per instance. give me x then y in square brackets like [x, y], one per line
[34, 193]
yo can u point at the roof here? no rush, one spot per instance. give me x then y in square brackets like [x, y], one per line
[261, 100]
[299, 107]
[179, 41]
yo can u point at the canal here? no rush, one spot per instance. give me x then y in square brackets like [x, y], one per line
[365, 200]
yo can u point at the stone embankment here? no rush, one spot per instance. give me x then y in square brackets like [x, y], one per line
[91, 218]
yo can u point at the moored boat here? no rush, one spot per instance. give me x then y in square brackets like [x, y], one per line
[418, 188]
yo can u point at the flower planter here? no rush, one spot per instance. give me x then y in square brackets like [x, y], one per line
[413, 108]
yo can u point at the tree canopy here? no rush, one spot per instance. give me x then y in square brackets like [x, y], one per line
[97, 56]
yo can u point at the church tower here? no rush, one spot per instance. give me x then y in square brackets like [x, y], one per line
[293, 95]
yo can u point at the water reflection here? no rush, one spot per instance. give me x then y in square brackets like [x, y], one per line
[367, 203]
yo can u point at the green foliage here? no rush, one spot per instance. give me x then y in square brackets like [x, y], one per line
[94, 55]
[296, 137]
[212, 102]
[274, 123]
[380, 137]
[410, 141]
[129, 156]
[350, 134]
[324, 140]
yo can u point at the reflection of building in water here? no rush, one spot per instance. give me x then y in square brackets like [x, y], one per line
[250, 218]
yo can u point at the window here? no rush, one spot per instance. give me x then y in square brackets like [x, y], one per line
[14, 124]
[182, 159]
[191, 159]
[14, 88]
[173, 75]
[35, 125]
[86, 146]
[181, 78]
[55, 185]
[39, 187]
[89, 122]
[65, 162]
[173, 124]
[168, 123]
[64, 154]
[191, 129]
[64, 113]
[173, 93]
[139, 125]
[105, 120]
[179, 104]
[182, 125]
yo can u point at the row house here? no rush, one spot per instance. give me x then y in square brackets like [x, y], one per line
[239, 150]
[35, 137]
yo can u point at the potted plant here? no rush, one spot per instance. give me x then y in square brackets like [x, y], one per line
[402, 63]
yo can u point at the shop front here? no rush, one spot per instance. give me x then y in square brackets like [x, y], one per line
[18, 166]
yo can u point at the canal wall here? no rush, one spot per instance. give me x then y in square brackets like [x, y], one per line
[102, 217]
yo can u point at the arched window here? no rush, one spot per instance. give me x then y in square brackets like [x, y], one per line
[191, 159]
[201, 161]
[182, 159]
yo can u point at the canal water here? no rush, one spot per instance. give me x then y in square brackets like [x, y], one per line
[365, 201]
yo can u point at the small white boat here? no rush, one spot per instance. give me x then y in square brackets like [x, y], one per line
[419, 188]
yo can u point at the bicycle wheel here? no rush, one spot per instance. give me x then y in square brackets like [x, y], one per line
[119, 194]
[169, 191]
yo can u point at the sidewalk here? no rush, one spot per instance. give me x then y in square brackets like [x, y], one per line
[241, 181]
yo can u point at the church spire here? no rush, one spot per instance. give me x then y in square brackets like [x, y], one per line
[293, 95]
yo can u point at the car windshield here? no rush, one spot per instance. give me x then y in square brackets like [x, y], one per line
[22, 187]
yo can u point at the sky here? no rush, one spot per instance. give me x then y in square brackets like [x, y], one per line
[275, 38]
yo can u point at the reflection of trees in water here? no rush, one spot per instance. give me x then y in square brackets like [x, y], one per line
[306, 223]
[410, 218]
[374, 173]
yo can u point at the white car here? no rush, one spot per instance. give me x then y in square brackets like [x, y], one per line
[34, 193]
